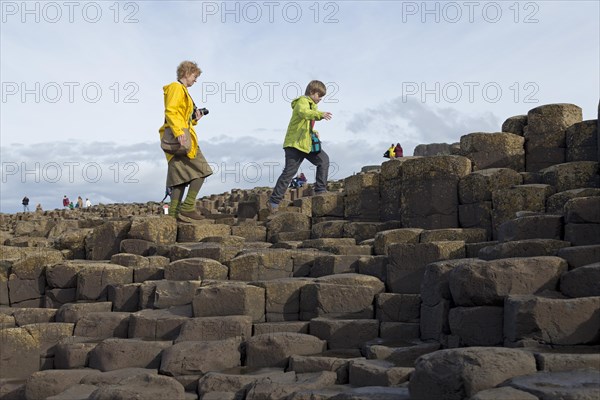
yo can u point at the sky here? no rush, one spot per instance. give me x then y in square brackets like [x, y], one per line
[82, 84]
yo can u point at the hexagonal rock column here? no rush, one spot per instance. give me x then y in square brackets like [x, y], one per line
[581, 282]
[20, 353]
[344, 333]
[237, 384]
[475, 194]
[572, 175]
[321, 299]
[476, 283]
[158, 324]
[558, 385]
[506, 202]
[556, 202]
[283, 298]
[230, 299]
[460, 373]
[157, 229]
[429, 191]
[408, 261]
[582, 217]
[274, 349]
[197, 231]
[263, 264]
[390, 184]
[200, 357]
[545, 141]
[93, 280]
[515, 124]
[582, 141]
[361, 202]
[552, 320]
[196, 268]
[494, 150]
[215, 328]
[112, 354]
[532, 227]
[105, 240]
[147, 386]
[288, 226]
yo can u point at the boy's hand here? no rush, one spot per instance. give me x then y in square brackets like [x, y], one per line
[327, 115]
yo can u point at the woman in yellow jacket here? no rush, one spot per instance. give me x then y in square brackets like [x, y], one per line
[190, 169]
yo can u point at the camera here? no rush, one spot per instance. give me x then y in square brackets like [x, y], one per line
[203, 111]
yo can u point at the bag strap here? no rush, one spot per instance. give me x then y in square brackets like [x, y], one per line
[311, 123]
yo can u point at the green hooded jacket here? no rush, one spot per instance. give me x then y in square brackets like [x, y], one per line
[298, 132]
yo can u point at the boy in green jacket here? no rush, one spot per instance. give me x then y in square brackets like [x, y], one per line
[297, 144]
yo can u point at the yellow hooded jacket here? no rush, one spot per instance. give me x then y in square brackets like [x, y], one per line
[391, 151]
[298, 132]
[178, 110]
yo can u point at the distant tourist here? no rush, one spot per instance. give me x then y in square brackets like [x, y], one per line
[88, 203]
[188, 170]
[71, 205]
[66, 201]
[25, 203]
[79, 202]
[298, 181]
[298, 143]
[390, 152]
[38, 208]
[398, 152]
[301, 179]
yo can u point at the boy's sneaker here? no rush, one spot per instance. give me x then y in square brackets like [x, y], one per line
[272, 207]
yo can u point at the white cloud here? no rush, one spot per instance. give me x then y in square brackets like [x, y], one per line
[411, 122]
[373, 50]
[110, 172]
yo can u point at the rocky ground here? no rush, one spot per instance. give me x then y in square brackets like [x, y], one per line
[470, 271]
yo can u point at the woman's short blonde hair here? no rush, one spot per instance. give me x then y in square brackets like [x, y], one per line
[316, 86]
[187, 68]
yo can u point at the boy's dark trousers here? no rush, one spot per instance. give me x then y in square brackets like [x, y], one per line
[293, 159]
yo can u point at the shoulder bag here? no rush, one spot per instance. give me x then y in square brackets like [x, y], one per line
[170, 144]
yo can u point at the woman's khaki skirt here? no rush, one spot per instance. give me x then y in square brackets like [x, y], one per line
[183, 170]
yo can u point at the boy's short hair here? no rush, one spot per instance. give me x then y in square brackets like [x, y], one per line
[316, 86]
[186, 68]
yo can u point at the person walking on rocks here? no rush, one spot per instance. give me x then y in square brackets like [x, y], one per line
[66, 201]
[298, 143]
[88, 203]
[79, 202]
[25, 203]
[188, 170]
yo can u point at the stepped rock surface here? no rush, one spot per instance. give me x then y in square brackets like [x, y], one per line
[469, 270]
